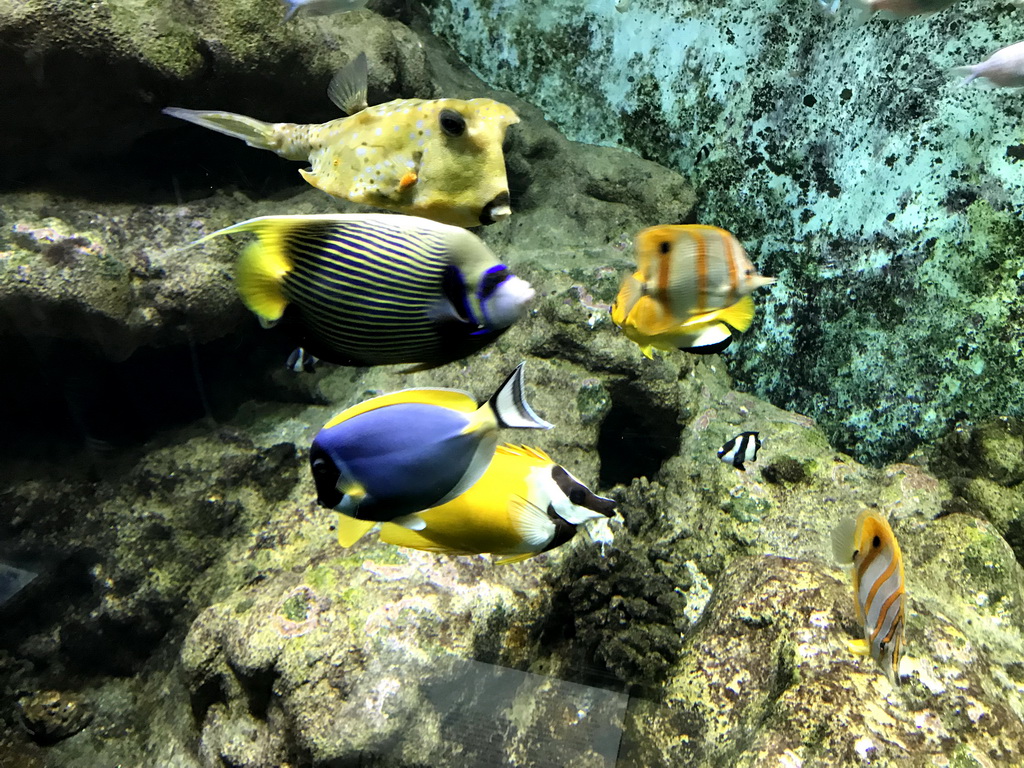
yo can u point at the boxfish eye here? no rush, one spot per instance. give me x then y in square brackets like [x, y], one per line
[452, 123]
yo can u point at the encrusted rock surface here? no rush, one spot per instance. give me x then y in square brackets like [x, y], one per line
[848, 161]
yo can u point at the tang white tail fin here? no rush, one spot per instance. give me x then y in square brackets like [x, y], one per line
[510, 406]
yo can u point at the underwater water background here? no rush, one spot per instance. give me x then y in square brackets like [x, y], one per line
[173, 594]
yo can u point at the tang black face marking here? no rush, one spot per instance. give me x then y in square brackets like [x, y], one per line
[452, 123]
[325, 478]
[876, 542]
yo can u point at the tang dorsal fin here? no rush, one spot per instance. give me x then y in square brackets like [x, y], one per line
[348, 86]
[444, 398]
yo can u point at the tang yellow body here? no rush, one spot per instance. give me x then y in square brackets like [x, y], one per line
[437, 158]
[690, 290]
[869, 545]
[522, 505]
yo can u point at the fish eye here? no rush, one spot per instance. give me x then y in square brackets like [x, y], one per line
[750, 273]
[452, 123]
[876, 542]
[663, 247]
[320, 467]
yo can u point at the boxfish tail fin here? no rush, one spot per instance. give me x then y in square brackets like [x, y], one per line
[276, 137]
[510, 407]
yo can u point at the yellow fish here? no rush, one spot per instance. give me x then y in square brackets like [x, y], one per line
[868, 544]
[690, 291]
[437, 158]
[524, 504]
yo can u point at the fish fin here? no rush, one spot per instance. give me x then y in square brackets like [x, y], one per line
[526, 451]
[351, 530]
[739, 315]
[531, 523]
[858, 647]
[630, 292]
[348, 86]
[509, 404]
[253, 132]
[648, 351]
[843, 540]
[292, 8]
[967, 72]
[259, 275]
[444, 398]
[411, 522]
[509, 559]
[711, 340]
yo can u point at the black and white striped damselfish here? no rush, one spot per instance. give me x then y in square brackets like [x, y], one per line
[377, 289]
[868, 544]
[740, 449]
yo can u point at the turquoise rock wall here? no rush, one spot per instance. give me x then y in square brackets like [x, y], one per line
[884, 194]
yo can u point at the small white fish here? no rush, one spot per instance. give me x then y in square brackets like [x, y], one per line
[1004, 68]
[741, 448]
[322, 7]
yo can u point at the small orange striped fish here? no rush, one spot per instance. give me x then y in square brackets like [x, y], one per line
[868, 544]
[690, 291]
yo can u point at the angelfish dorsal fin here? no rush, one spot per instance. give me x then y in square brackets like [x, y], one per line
[348, 86]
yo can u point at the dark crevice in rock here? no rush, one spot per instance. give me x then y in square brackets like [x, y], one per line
[636, 437]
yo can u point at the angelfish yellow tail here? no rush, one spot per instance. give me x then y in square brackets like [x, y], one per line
[260, 270]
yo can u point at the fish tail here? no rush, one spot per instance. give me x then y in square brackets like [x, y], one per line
[967, 72]
[260, 271]
[510, 407]
[276, 137]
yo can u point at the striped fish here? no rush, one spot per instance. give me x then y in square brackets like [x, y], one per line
[377, 289]
[867, 543]
[690, 291]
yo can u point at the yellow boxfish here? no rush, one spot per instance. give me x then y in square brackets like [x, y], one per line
[524, 504]
[867, 543]
[690, 290]
[377, 288]
[438, 158]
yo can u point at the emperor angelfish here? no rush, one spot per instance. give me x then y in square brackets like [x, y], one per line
[690, 291]
[524, 504]
[741, 449]
[438, 158]
[868, 545]
[377, 288]
[398, 454]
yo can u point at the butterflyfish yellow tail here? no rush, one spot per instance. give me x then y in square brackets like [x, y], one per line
[351, 530]
[738, 316]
